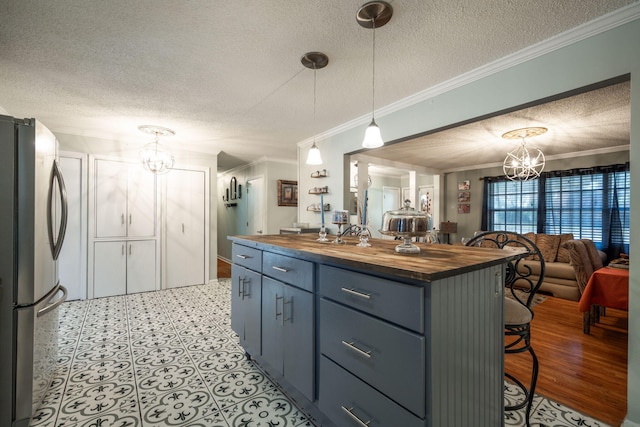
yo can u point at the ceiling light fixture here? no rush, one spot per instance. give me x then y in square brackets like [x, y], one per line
[523, 164]
[153, 156]
[373, 14]
[314, 61]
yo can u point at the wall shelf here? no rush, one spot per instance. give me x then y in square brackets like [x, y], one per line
[319, 190]
[319, 174]
[316, 208]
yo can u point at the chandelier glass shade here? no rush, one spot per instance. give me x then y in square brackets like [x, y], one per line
[522, 163]
[153, 156]
[314, 61]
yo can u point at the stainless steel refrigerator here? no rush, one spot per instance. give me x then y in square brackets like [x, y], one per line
[33, 212]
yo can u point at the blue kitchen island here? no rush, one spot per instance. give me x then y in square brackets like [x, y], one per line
[369, 337]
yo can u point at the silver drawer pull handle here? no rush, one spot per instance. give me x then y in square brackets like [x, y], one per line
[243, 256]
[350, 345]
[356, 293]
[354, 417]
[284, 270]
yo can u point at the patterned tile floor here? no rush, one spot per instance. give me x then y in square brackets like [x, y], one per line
[170, 358]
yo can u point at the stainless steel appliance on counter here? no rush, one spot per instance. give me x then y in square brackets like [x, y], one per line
[33, 213]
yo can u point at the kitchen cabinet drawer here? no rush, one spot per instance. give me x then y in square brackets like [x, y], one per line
[383, 355]
[344, 397]
[393, 301]
[247, 257]
[289, 270]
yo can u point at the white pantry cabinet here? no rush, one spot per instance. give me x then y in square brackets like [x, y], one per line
[124, 267]
[186, 227]
[125, 200]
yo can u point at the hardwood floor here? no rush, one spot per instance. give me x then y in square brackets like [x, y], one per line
[587, 373]
[224, 269]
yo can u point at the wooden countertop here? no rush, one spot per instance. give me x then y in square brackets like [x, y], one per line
[432, 263]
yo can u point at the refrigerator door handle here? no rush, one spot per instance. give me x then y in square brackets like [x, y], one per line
[54, 305]
[56, 176]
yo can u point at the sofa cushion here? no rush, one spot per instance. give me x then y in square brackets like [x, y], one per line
[563, 253]
[594, 255]
[559, 270]
[548, 245]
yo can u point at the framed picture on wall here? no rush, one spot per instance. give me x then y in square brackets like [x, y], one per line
[464, 196]
[464, 185]
[464, 208]
[287, 193]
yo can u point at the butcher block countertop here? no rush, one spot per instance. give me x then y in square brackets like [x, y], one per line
[434, 262]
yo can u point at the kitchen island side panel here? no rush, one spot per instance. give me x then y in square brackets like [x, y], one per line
[466, 349]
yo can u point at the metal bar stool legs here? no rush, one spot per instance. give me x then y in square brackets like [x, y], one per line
[522, 344]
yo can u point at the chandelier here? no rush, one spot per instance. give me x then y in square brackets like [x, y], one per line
[155, 158]
[523, 164]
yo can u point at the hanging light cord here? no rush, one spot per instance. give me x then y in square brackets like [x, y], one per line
[314, 104]
[373, 74]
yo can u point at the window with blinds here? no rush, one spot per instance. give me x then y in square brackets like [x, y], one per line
[589, 203]
[513, 206]
[574, 204]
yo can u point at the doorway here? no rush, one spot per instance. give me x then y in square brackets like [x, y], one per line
[255, 205]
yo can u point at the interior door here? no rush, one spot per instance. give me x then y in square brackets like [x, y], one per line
[255, 205]
[71, 265]
[390, 199]
[185, 226]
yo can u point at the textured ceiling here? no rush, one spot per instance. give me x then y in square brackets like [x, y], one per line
[588, 122]
[227, 77]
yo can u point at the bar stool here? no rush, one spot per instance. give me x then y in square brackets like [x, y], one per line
[522, 282]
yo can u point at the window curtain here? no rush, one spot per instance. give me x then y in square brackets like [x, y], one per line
[484, 221]
[616, 215]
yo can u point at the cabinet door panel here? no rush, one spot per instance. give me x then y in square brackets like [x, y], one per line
[298, 340]
[185, 227]
[141, 218]
[246, 290]
[272, 323]
[111, 198]
[141, 266]
[110, 269]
